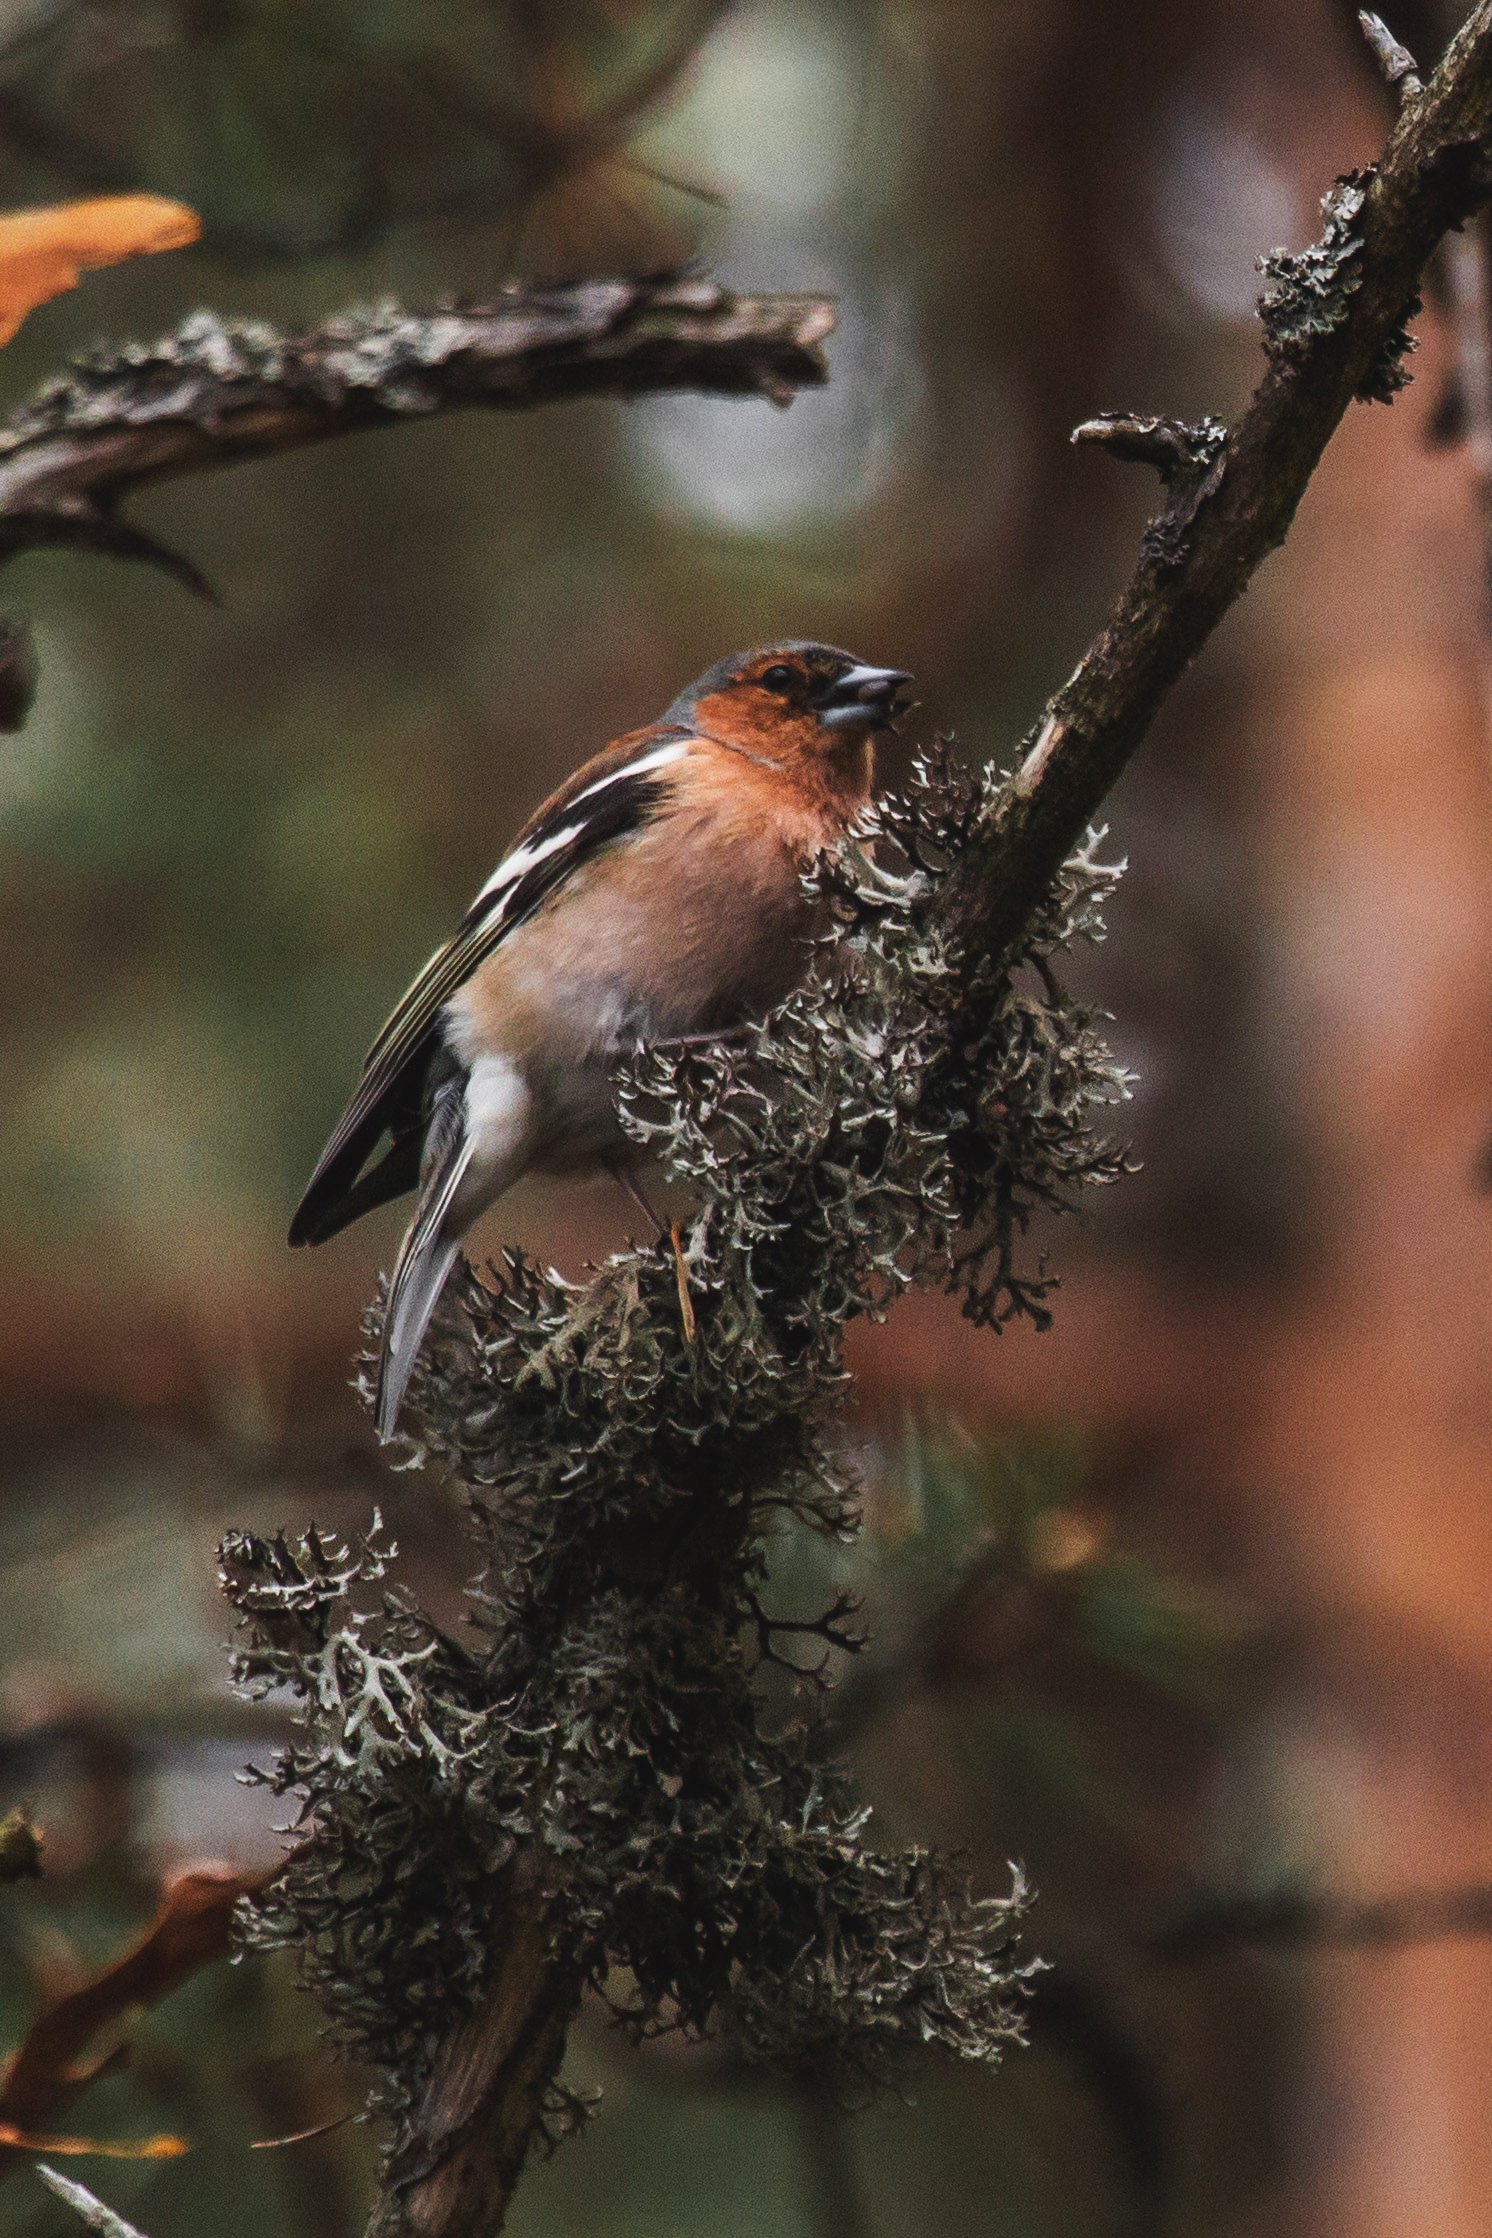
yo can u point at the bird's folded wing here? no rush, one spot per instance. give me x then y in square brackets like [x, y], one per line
[615, 794]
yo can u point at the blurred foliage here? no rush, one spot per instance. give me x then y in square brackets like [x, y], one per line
[1007, 1622]
[1039, 1689]
[955, 1508]
[298, 128]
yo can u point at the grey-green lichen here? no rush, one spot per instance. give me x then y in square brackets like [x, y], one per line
[899, 1120]
[385, 358]
[382, 351]
[1309, 291]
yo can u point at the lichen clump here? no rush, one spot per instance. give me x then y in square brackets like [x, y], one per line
[607, 1722]
[1309, 292]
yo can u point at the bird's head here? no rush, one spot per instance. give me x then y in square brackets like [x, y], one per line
[800, 707]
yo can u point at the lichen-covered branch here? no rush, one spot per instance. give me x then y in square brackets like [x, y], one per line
[593, 1789]
[219, 391]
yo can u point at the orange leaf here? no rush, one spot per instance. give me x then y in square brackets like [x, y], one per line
[42, 252]
[111, 2148]
[192, 1927]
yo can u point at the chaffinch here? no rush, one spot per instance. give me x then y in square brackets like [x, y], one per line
[656, 897]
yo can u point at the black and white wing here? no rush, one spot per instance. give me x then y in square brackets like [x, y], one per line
[615, 794]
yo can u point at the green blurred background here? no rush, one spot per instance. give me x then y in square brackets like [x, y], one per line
[1226, 1628]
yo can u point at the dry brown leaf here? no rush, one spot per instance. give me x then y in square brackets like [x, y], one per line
[191, 1928]
[42, 252]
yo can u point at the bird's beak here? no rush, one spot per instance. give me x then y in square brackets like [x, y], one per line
[864, 696]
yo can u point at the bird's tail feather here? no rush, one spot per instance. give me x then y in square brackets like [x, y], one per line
[426, 1255]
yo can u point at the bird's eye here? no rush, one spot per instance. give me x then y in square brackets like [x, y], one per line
[779, 678]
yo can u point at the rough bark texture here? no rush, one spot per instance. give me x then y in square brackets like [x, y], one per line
[486, 2097]
[1235, 509]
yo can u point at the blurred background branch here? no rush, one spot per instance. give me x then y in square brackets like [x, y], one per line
[305, 131]
[215, 394]
[1303, 1919]
[1334, 332]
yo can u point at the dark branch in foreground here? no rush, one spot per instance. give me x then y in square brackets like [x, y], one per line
[219, 391]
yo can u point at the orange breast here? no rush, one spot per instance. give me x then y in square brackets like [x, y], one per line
[697, 922]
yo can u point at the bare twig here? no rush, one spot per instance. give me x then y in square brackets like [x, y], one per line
[1175, 448]
[93, 2211]
[1397, 63]
[831, 1628]
[218, 392]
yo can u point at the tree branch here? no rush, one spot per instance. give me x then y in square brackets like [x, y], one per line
[84, 2204]
[1333, 325]
[603, 1737]
[1397, 64]
[218, 391]
[1295, 1919]
[487, 2095]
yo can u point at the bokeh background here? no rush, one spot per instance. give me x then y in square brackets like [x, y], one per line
[1185, 1603]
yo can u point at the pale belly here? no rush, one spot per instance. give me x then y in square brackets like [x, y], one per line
[638, 959]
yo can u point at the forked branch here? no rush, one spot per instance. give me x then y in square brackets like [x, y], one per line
[1333, 331]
